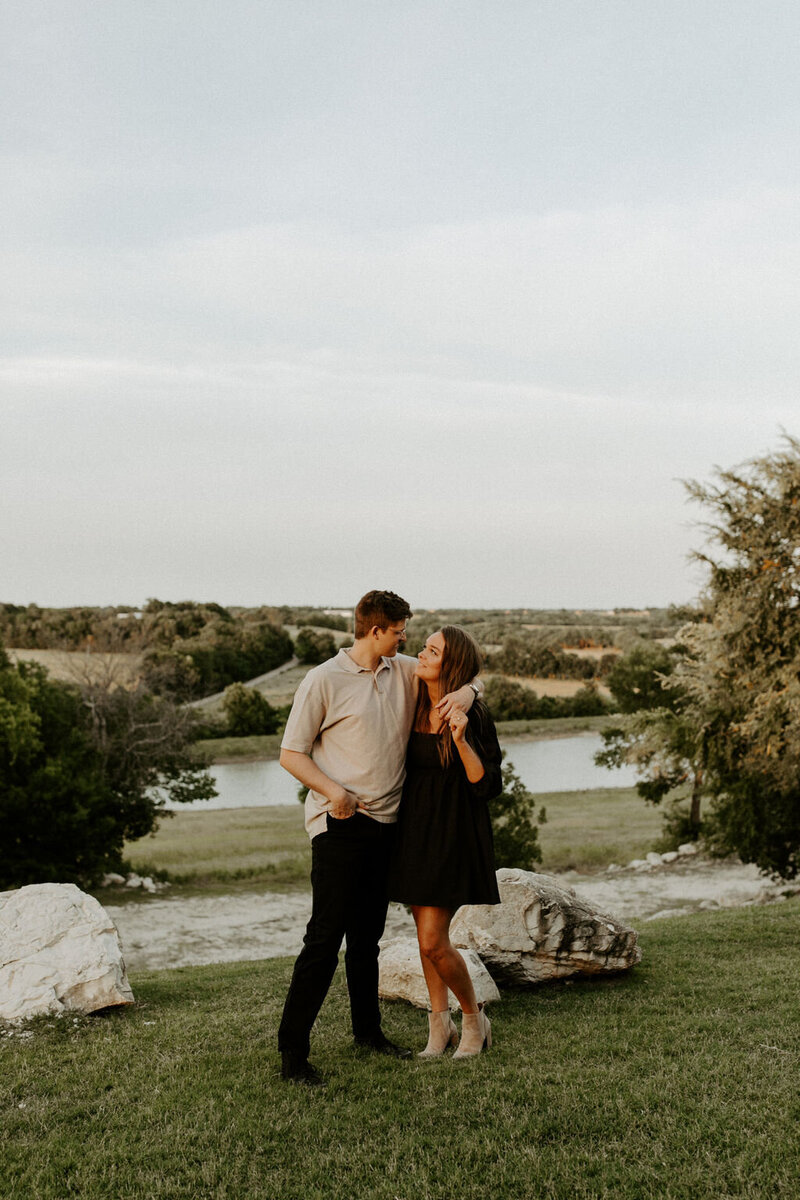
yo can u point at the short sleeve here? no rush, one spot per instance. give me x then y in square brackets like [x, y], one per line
[307, 715]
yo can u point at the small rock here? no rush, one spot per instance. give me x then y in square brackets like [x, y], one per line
[612, 868]
[687, 848]
[654, 859]
[635, 863]
[148, 885]
[667, 912]
[112, 879]
[133, 881]
[670, 856]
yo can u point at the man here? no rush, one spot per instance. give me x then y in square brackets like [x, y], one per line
[346, 741]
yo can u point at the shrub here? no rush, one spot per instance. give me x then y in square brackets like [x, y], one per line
[515, 824]
[313, 647]
[248, 712]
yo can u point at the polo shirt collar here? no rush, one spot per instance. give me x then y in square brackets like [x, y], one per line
[346, 663]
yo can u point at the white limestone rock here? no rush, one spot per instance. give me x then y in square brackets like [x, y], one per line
[59, 951]
[542, 931]
[666, 912]
[400, 974]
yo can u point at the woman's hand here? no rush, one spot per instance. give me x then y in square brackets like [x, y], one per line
[458, 723]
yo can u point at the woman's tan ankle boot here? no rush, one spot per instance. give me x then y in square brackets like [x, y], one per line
[441, 1034]
[476, 1032]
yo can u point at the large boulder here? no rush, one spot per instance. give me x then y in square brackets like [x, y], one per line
[542, 931]
[400, 974]
[59, 951]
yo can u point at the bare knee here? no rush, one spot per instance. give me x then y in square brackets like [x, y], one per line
[433, 947]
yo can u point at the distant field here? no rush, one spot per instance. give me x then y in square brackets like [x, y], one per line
[556, 687]
[280, 689]
[591, 651]
[73, 666]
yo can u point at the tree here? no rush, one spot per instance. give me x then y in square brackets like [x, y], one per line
[512, 701]
[211, 655]
[743, 675]
[739, 677]
[82, 770]
[314, 647]
[248, 712]
[635, 679]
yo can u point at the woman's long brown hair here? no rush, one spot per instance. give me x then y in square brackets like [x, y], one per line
[461, 662]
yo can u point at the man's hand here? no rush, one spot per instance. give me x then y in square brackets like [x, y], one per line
[460, 701]
[342, 804]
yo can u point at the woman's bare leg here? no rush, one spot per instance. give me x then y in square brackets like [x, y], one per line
[442, 964]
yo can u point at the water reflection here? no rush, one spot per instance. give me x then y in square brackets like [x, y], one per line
[553, 765]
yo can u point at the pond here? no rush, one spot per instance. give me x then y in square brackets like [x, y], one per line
[549, 765]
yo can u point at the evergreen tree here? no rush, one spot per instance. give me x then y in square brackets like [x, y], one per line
[734, 729]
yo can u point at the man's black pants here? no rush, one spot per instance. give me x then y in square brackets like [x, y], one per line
[349, 864]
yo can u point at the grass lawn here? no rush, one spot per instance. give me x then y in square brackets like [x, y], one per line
[258, 844]
[584, 831]
[677, 1080]
[238, 749]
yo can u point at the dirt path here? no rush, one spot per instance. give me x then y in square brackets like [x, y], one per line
[686, 886]
[170, 931]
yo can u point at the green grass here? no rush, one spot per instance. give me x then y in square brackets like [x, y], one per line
[237, 749]
[265, 844]
[551, 727]
[677, 1080]
[584, 831]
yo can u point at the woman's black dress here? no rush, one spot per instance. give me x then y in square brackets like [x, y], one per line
[444, 855]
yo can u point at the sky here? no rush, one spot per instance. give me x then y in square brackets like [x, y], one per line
[305, 297]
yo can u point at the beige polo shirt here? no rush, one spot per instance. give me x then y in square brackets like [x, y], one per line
[355, 725]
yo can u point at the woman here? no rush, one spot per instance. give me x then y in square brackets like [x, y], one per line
[444, 856]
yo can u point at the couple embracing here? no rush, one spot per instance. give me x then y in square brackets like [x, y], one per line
[400, 757]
